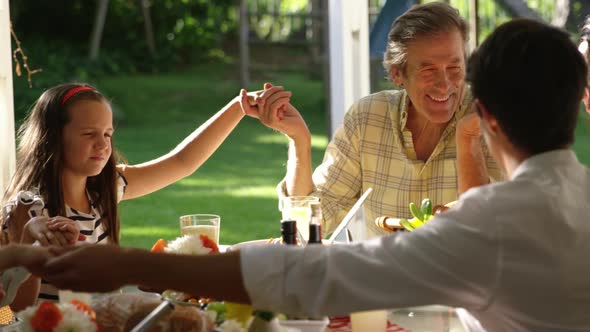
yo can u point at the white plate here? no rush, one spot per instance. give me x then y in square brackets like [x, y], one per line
[240, 245]
[306, 325]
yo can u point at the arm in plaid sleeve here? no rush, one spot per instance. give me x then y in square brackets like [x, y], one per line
[338, 178]
[337, 181]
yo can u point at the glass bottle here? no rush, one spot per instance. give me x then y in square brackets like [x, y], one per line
[289, 231]
[315, 228]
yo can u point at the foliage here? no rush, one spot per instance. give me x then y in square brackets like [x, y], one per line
[184, 30]
[278, 21]
[492, 14]
[56, 37]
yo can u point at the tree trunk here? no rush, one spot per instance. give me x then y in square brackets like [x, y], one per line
[147, 23]
[315, 31]
[244, 50]
[473, 25]
[101, 14]
[562, 10]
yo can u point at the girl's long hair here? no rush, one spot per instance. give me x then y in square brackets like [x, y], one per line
[40, 159]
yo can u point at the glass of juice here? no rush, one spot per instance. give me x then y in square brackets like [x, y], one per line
[201, 224]
[298, 208]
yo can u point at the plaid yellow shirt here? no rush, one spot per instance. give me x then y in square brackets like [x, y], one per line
[374, 149]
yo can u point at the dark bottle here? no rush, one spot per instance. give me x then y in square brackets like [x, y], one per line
[289, 232]
[315, 228]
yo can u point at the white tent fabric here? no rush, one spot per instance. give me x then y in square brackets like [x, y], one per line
[7, 143]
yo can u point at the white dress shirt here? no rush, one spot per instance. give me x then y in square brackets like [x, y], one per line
[516, 254]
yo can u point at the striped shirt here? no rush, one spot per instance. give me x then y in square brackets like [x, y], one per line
[90, 226]
[374, 149]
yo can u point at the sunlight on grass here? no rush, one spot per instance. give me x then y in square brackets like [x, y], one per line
[258, 191]
[167, 232]
[271, 139]
[235, 191]
[317, 141]
[210, 182]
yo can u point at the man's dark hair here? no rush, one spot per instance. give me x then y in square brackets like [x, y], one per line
[531, 77]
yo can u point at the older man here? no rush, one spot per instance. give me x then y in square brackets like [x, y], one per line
[406, 144]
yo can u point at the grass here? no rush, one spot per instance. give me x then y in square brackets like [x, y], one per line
[582, 145]
[238, 182]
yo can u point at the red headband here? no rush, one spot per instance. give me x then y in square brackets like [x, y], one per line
[73, 91]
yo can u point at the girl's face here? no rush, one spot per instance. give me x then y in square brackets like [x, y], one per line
[87, 137]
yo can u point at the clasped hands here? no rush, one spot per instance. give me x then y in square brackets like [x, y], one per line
[273, 108]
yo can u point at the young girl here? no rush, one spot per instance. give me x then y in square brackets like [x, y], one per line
[66, 152]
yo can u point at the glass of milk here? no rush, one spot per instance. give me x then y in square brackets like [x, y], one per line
[201, 224]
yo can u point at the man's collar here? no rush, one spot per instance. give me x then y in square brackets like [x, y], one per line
[462, 109]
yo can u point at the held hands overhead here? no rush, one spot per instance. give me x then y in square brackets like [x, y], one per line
[273, 108]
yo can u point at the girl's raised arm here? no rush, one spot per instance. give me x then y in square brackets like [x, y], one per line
[191, 153]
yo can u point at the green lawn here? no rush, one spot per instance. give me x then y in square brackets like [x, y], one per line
[582, 146]
[238, 182]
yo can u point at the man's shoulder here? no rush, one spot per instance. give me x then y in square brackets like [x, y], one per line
[378, 103]
[384, 96]
[501, 198]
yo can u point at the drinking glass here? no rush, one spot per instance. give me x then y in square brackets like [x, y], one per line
[373, 320]
[201, 224]
[298, 208]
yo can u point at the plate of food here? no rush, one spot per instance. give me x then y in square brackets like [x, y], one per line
[421, 215]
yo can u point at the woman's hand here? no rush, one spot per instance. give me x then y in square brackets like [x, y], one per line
[67, 227]
[57, 231]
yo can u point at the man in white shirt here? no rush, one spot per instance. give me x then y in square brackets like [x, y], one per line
[515, 254]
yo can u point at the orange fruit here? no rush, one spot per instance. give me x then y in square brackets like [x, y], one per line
[159, 246]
